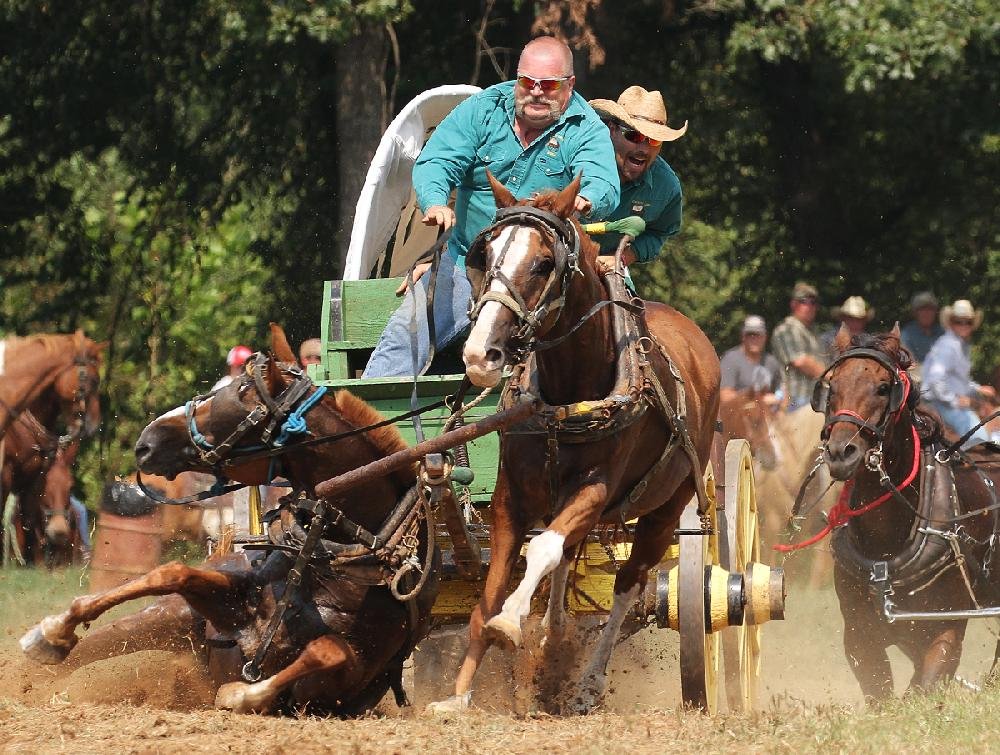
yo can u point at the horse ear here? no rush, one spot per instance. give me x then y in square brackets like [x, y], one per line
[279, 345]
[895, 331]
[565, 201]
[501, 195]
[843, 339]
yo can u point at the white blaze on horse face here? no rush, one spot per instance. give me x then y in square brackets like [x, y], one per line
[483, 370]
[176, 412]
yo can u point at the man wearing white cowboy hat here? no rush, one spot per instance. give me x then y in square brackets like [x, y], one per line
[948, 387]
[854, 313]
[650, 188]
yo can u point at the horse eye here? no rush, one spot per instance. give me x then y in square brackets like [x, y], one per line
[543, 267]
[883, 389]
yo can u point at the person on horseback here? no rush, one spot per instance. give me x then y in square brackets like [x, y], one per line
[650, 189]
[854, 314]
[748, 367]
[798, 348]
[534, 134]
[948, 386]
[920, 333]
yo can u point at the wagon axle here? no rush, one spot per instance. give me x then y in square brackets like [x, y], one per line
[731, 599]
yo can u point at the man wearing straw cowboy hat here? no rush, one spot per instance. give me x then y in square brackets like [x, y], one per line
[854, 313]
[948, 387]
[650, 188]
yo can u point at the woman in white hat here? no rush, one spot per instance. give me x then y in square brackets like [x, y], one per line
[948, 386]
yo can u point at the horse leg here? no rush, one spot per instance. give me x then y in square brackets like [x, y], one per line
[652, 536]
[864, 643]
[506, 535]
[937, 659]
[328, 657]
[52, 639]
[544, 554]
[554, 621]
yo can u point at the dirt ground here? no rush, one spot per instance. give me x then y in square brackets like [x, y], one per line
[158, 701]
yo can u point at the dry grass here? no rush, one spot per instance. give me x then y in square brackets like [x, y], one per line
[809, 703]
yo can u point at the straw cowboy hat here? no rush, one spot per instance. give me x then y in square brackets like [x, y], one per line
[854, 306]
[962, 309]
[642, 110]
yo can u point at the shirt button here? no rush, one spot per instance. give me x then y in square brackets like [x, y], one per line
[513, 179]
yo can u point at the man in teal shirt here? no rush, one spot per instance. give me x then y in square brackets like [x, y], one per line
[650, 188]
[534, 134]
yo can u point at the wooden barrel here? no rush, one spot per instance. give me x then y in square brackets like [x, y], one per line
[125, 547]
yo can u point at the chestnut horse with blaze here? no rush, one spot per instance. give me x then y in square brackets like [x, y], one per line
[540, 281]
[341, 643]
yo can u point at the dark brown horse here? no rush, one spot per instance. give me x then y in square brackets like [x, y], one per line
[904, 541]
[343, 639]
[602, 451]
[48, 401]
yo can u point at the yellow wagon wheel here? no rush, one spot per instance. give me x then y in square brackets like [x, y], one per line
[741, 644]
[699, 649]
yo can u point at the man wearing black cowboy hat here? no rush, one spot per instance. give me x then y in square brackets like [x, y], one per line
[650, 188]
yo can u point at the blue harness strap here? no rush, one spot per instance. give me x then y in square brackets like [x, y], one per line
[295, 424]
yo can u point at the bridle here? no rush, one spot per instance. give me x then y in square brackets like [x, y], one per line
[901, 394]
[85, 390]
[282, 416]
[565, 241]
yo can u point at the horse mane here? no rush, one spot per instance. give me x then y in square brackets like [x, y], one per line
[360, 413]
[53, 344]
[928, 424]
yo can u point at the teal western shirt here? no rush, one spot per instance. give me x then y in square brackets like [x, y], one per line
[656, 197]
[479, 135]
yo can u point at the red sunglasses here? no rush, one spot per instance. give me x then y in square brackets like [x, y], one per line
[546, 85]
[632, 135]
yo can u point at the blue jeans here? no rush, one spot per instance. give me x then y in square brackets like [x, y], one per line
[81, 519]
[961, 421]
[393, 356]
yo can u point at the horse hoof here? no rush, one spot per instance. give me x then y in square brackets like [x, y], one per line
[37, 648]
[503, 632]
[238, 697]
[450, 706]
[587, 696]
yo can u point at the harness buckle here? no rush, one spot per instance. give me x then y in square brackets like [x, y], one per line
[880, 572]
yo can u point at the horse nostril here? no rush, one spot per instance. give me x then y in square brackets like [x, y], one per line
[142, 451]
[493, 355]
[850, 451]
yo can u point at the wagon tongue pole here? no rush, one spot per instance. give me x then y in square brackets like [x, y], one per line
[251, 671]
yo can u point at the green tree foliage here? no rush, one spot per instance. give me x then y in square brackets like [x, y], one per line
[170, 172]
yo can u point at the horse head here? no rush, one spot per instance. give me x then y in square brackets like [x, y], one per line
[862, 395]
[521, 268]
[217, 427]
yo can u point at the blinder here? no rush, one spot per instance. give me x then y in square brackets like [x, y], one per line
[899, 391]
[566, 254]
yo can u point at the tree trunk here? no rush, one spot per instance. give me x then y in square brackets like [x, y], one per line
[360, 105]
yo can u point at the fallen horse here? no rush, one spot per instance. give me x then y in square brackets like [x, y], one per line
[325, 612]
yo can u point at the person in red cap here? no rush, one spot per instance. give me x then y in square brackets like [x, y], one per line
[235, 359]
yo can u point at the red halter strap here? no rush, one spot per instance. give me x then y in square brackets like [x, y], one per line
[842, 513]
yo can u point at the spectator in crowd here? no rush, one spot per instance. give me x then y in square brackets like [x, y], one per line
[235, 359]
[948, 387]
[920, 333]
[855, 314]
[83, 525]
[749, 367]
[798, 348]
[310, 352]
